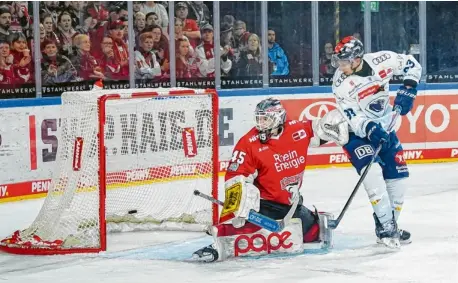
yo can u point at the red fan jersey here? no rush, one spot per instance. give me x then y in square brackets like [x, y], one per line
[276, 165]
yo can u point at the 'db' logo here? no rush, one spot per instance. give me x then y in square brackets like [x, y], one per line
[363, 151]
[301, 134]
[189, 142]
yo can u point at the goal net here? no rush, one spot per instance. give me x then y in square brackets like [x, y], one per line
[127, 160]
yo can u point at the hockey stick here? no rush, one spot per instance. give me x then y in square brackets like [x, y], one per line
[253, 216]
[332, 224]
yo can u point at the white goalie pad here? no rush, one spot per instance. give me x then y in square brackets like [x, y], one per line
[331, 127]
[240, 197]
[262, 242]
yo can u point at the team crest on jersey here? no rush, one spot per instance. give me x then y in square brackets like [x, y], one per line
[233, 167]
[292, 185]
[378, 105]
[299, 135]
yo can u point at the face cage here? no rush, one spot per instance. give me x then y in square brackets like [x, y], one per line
[266, 121]
[336, 62]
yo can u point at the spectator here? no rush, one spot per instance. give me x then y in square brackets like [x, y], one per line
[199, 12]
[190, 27]
[5, 22]
[65, 32]
[205, 53]
[111, 68]
[51, 8]
[226, 37]
[146, 64]
[180, 35]
[20, 19]
[76, 10]
[137, 6]
[96, 26]
[42, 33]
[7, 74]
[160, 48]
[229, 19]
[22, 57]
[159, 10]
[152, 19]
[186, 65]
[139, 25]
[326, 68]
[250, 63]
[55, 68]
[85, 64]
[121, 52]
[46, 21]
[241, 36]
[117, 12]
[278, 62]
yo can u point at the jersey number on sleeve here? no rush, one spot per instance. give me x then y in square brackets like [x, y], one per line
[409, 65]
[350, 113]
[238, 156]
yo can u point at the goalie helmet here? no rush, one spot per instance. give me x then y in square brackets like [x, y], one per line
[348, 49]
[269, 115]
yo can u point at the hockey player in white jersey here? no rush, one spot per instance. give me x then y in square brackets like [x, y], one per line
[361, 88]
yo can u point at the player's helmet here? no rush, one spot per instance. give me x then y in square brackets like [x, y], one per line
[269, 115]
[347, 49]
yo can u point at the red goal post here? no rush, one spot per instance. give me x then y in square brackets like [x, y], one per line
[146, 184]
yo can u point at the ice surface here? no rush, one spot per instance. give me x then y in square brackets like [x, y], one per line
[430, 214]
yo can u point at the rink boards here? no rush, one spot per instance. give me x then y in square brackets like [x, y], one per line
[30, 135]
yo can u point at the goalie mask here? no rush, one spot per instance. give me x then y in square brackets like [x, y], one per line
[269, 115]
[348, 49]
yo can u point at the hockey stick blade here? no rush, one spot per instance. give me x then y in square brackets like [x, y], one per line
[253, 216]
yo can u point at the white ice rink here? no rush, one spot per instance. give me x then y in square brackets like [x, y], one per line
[430, 214]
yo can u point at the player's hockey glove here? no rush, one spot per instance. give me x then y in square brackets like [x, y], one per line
[405, 98]
[376, 134]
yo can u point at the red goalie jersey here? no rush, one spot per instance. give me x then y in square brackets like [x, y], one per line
[276, 165]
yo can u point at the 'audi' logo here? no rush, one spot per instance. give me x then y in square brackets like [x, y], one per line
[381, 58]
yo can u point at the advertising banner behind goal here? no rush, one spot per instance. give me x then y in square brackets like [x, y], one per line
[30, 136]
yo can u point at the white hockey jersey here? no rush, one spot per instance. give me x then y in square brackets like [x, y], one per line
[362, 99]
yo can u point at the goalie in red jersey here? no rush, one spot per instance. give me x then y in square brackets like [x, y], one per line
[265, 175]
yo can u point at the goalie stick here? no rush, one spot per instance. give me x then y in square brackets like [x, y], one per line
[258, 218]
[332, 224]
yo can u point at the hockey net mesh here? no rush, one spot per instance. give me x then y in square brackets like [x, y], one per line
[158, 151]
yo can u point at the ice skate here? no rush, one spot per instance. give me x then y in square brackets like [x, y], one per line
[387, 233]
[404, 237]
[206, 254]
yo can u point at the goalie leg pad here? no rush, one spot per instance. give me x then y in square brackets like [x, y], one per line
[252, 241]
